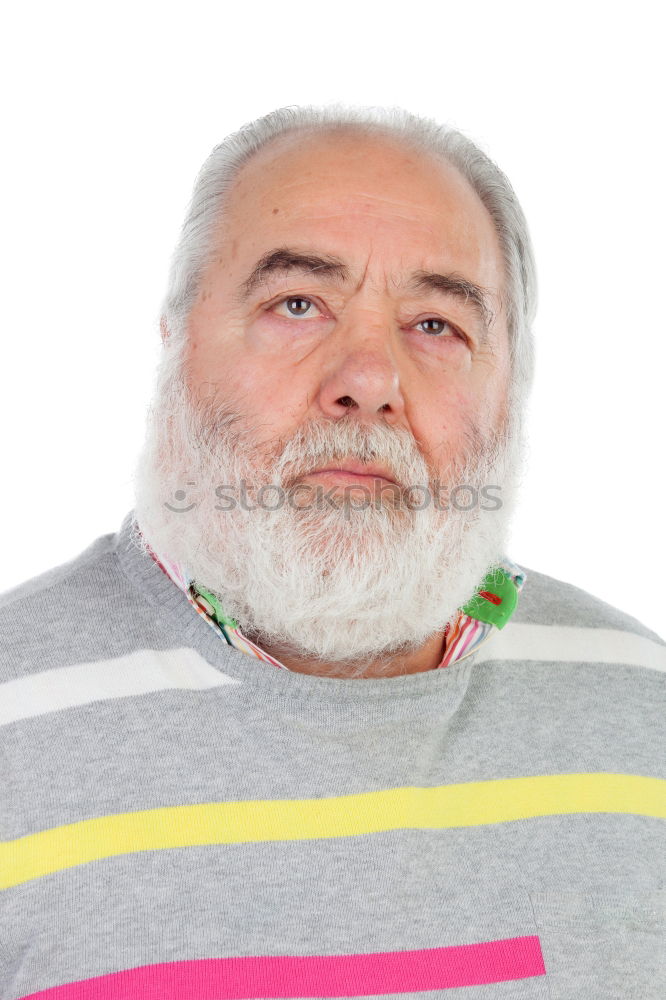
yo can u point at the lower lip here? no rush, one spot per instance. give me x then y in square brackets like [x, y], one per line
[339, 475]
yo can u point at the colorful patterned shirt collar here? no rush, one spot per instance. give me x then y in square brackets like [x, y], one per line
[491, 608]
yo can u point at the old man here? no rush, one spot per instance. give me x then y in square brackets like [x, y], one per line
[302, 727]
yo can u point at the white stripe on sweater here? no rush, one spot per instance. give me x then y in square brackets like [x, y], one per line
[137, 673]
[568, 643]
[149, 670]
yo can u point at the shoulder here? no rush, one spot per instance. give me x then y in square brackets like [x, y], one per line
[546, 600]
[557, 622]
[82, 610]
[56, 580]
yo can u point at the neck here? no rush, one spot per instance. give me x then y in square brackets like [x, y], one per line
[426, 657]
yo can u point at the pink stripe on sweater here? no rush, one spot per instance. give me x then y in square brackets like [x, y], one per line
[315, 976]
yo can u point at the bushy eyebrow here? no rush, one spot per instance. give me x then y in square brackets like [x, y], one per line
[457, 286]
[285, 260]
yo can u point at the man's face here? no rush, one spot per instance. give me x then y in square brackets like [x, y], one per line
[351, 316]
[306, 345]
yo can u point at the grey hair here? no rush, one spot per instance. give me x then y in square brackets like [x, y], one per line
[206, 207]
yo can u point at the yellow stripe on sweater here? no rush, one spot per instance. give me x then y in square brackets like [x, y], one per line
[476, 803]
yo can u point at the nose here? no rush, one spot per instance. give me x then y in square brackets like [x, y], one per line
[364, 378]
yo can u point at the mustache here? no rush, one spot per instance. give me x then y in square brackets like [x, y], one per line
[217, 426]
[313, 445]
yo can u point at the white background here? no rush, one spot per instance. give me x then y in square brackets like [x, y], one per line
[108, 112]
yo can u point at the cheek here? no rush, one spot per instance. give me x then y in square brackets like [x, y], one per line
[442, 423]
[437, 421]
[242, 361]
[267, 398]
[450, 407]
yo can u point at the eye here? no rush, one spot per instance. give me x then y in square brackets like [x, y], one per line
[296, 306]
[438, 327]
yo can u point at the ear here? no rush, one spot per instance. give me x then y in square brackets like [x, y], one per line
[164, 330]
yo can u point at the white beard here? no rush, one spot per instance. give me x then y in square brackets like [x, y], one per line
[342, 586]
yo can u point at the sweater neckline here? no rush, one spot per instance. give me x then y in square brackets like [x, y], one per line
[444, 688]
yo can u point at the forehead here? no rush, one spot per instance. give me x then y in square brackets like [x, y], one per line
[371, 199]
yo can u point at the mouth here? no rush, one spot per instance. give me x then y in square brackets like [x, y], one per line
[352, 471]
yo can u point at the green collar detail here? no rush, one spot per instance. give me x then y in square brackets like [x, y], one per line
[215, 610]
[495, 600]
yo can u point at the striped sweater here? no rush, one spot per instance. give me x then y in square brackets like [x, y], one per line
[181, 821]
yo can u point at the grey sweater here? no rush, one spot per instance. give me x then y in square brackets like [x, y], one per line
[182, 821]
